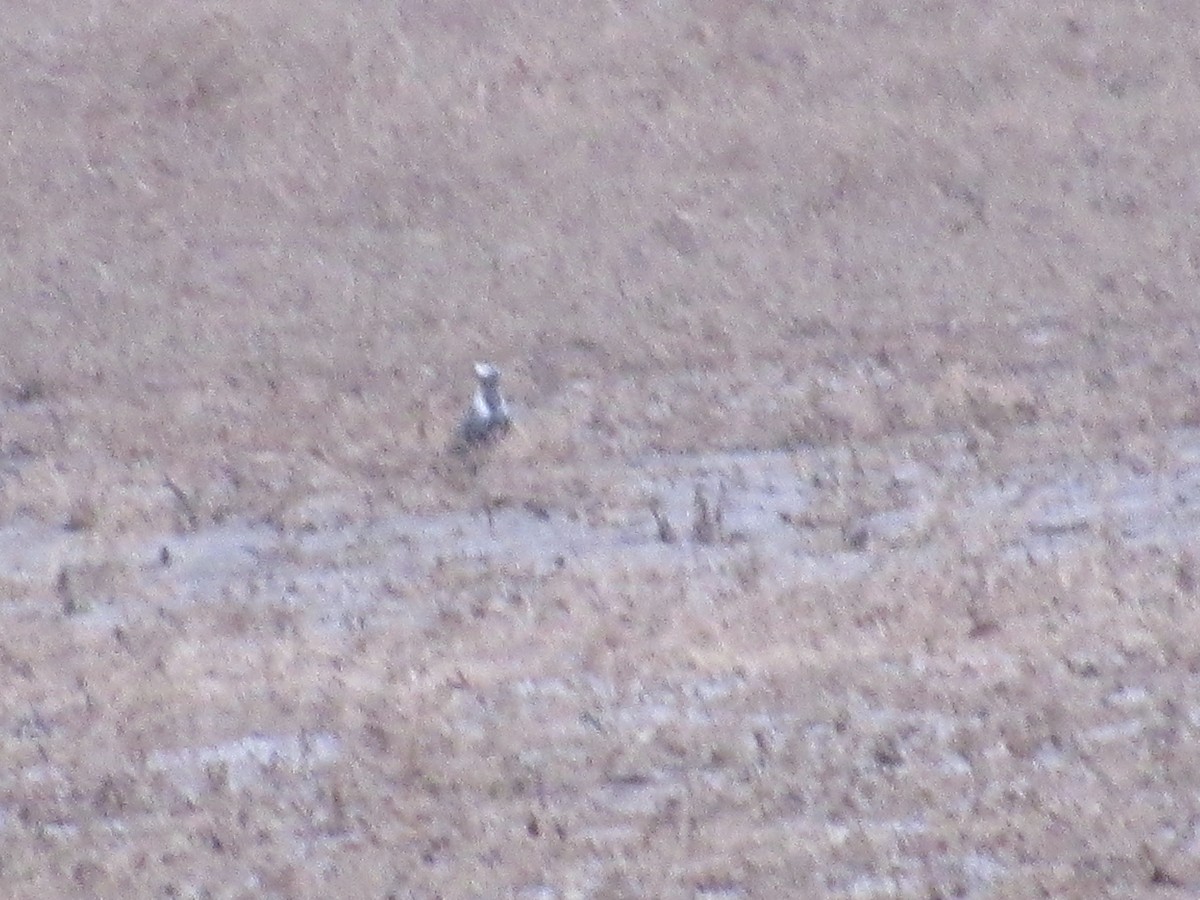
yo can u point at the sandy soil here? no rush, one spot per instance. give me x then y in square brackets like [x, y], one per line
[847, 544]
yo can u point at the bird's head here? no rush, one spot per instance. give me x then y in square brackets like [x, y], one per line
[487, 373]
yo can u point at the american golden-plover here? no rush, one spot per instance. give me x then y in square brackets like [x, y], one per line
[486, 421]
[488, 416]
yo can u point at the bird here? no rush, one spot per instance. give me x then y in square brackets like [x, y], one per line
[486, 420]
[488, 416]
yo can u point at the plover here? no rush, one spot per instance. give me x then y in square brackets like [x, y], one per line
[486, 420]
[488, 416]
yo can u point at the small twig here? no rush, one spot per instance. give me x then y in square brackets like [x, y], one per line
[704, 522]
[189, 511]
[666, 534]
[719, 512]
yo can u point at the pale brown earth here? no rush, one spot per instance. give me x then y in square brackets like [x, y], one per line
[905, 291]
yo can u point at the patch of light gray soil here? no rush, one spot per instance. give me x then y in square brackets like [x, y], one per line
[353, 568]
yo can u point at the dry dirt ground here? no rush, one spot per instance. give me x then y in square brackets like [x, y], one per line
[849, 541]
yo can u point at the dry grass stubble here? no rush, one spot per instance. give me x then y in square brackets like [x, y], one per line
[912, 288]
